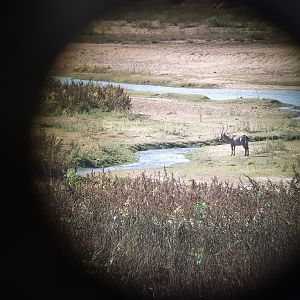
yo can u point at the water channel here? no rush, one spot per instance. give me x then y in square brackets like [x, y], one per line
[167, 157]
[149, 159]
[285, 96]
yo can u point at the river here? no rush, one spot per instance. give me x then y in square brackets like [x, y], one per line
[149, 159]
[285, 96]
[167, 157]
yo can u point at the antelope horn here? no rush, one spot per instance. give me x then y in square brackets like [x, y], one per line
[222, 129]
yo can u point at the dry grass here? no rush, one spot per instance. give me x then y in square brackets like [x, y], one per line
[153, 118]
[268, 159]
[163, 238]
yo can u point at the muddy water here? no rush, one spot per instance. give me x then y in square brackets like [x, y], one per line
[285, 96]
[149, 159]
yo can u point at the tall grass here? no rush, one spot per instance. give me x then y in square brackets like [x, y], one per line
[163, 237]
[68, 98]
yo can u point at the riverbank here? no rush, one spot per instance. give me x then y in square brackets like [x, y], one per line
[191, 45]
[268, 160]
[289, 98]
[168, 121]
[210, 64]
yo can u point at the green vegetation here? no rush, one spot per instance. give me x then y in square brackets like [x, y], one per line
[69, 98]
[270, 159]
[100, 138]
[192, 98]
[107, 156]
[226, 20]
[100, 156]
[54, 159]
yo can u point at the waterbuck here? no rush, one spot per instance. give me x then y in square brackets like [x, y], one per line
[236, 140]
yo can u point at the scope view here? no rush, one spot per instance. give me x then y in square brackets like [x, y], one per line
[168, 149]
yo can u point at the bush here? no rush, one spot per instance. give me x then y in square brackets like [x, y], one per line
[221, 21]
[55, 158]
[107, 156]
[68, 98]
[52, 156]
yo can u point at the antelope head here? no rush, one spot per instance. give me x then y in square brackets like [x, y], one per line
[223, 133]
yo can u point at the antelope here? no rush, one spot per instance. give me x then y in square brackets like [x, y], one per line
[241, 140]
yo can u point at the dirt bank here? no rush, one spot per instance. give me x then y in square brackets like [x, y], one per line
[201, 64]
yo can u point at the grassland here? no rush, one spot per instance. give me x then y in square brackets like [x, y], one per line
[169, 120]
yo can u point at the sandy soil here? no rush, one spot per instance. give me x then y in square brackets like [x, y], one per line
[215, 63]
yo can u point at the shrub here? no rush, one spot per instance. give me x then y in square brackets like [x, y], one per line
[52, 156]
[162, 236]
[107, 156]
[68, 98]
[221, 21]
[55, 159]
[72, 179]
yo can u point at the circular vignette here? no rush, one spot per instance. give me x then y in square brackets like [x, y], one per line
[34, 264]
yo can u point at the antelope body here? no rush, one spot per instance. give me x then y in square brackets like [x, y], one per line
[241, 140]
